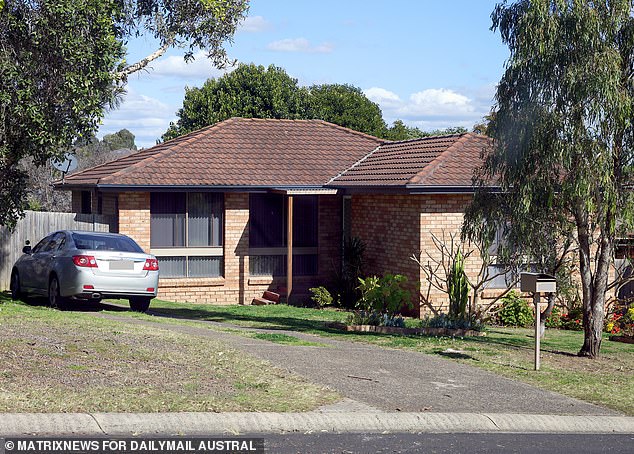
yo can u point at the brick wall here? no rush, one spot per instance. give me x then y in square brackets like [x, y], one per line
[134, 217]
[330, 237]
[389, 227]
[441, 216]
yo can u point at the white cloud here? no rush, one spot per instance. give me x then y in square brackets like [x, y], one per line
[383, 97]
[437, 103]
[176, 66]
[433, 108]
[255, 24]
[145, 117]
[299, 45]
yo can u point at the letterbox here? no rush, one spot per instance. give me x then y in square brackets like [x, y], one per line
[538, 282]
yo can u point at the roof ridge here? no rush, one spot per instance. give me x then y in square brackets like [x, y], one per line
[440, 136]
[430, 168]
[353, 165]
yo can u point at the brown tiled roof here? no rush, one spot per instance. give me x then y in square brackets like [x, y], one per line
[429, 161]
[239, 152]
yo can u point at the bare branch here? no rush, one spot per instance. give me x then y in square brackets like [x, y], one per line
[125, 72]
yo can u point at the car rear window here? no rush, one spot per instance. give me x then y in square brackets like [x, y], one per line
[105, 243]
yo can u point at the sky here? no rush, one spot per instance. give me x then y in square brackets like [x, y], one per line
[431, 64]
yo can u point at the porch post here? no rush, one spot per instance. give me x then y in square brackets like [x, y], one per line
[289, 249]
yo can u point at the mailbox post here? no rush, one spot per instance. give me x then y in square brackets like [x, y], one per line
[537, 283]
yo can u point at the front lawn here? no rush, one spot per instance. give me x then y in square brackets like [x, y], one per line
[57, 361]
[607, 381]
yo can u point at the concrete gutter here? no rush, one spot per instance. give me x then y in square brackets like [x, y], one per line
[170, 424]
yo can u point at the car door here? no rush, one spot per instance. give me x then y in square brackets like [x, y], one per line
[43, 262]
[27, 271]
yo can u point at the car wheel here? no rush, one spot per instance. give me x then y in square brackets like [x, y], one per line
[16, 292]
[140, 303]
[55, 300]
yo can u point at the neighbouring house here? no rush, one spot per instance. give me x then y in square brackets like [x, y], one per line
[249, 205]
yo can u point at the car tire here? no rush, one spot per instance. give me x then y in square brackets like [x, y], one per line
[55, 300]
[140, 303]
[16, 291]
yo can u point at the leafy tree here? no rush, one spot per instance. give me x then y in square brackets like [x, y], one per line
[62, 62]
[118, 140]
[346, 105]
[400, 131]
[249, 91]
[563, 129]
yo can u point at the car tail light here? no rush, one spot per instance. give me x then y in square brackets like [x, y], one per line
[151, 265]
[89, 287]
[149, 289]
[87, 261]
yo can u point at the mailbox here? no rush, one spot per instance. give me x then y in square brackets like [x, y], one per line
[538, 283]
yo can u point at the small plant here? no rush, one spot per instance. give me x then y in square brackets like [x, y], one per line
[573, 320]
[556, 319]
[321, 296]
[384, 295]
[447, 322]
[515, 311]
[621, 322]
[374, 318]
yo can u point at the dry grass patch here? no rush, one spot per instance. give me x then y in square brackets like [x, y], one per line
[73, 362]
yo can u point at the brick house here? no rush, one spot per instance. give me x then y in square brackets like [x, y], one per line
[219, 205]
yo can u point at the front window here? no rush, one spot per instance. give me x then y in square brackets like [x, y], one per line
[268, 235]
[186, 233]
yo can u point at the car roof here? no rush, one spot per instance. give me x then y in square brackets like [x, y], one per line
[90, 232]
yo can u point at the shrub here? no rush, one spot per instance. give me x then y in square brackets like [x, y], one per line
[321, 296]
[375, 319]
[384, 295]
[347, 279]
[515, 311]
[448, 322]
[573, 320]
[555, 320]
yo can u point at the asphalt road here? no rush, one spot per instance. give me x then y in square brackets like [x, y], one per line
[449, 443]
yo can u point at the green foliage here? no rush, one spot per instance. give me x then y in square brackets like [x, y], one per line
[345, 105]
[62, 63]
[555, 320]
[118, 140]
[347, 281]
[458, 288]
[384, 295]
[249, 91]
[563, 154]
[515, 311]
[448, 322]
[321, 296]
[374, 318]
[57, 75]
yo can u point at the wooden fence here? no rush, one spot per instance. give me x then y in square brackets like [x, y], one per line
[35, 226]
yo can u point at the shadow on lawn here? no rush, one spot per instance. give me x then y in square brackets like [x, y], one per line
[73, 306]
[255, 321]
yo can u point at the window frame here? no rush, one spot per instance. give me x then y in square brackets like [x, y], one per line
[197, 251]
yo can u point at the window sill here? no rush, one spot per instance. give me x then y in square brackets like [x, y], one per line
[191, 281]
[262, 280]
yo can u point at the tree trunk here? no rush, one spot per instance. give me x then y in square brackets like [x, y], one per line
[594, 287]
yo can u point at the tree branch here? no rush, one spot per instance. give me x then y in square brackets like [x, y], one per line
[125, 72]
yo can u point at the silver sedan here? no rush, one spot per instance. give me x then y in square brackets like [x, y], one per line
[86, 266]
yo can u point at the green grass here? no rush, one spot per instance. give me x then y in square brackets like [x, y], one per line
[56, 361]
[285, 339]
[607, 381]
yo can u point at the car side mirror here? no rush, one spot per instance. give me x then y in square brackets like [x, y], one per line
[27, 248]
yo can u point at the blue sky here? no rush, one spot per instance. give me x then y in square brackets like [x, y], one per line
[431, 64]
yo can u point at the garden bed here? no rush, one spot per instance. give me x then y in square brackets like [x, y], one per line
[624, 339]
[407, 331]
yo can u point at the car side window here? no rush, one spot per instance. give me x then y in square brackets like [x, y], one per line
[41, 245]
[57, 242]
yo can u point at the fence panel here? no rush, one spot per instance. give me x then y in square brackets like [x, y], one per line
[35, 226]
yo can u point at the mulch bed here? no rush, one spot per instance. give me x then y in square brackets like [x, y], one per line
[407, 331]
[625, 339]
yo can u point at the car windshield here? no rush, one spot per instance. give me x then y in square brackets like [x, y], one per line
[105, 243]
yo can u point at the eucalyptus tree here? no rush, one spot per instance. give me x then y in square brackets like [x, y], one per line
[563, 132]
